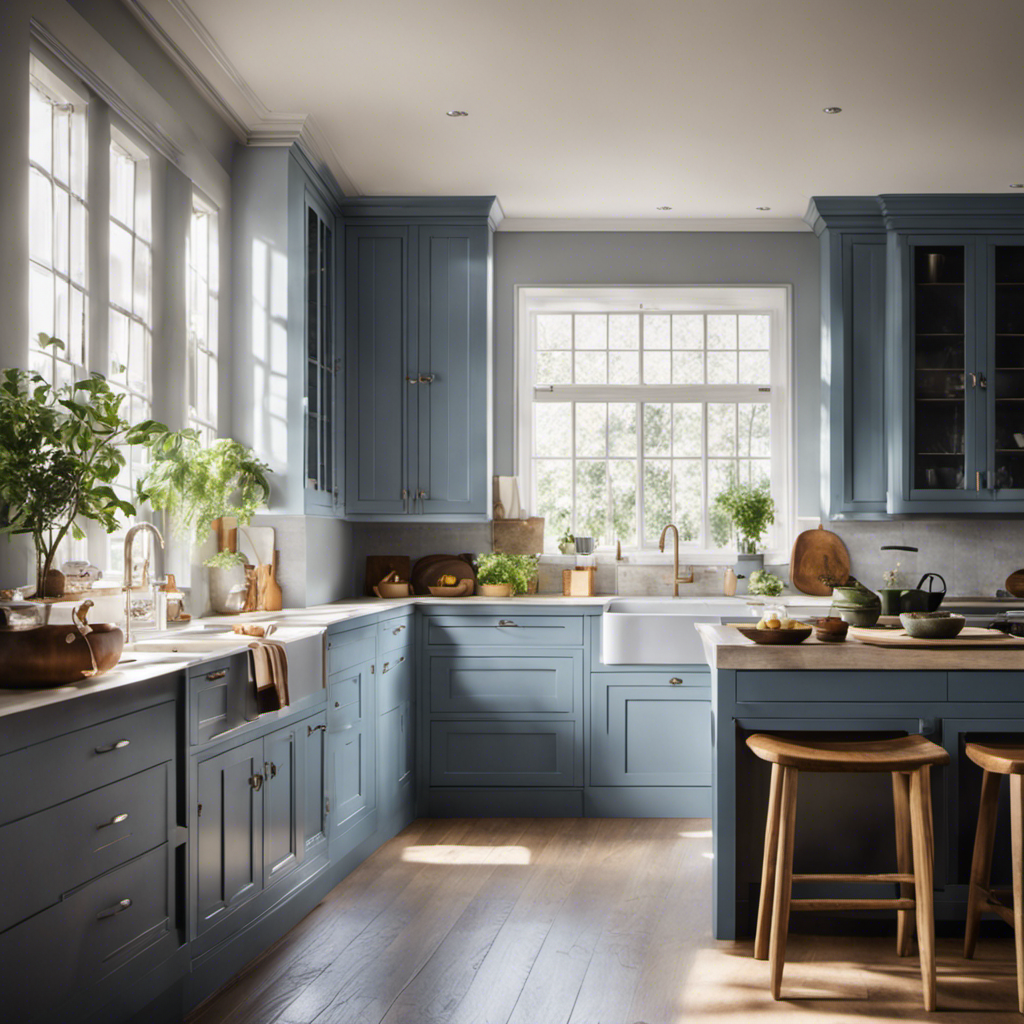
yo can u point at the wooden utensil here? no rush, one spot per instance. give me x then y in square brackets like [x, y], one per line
[378, 566]
[969, 636]
[1015, 583]
[272, 597]
[818, 555]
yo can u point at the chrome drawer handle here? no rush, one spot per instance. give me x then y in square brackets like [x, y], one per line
[310, 729]
[387, 666]
[119, 745]
[395, 632]
[427, 378]
[676, 681]
[345, 728]
[117, 819]
[217, 675]
[507, 622]
[117, 908]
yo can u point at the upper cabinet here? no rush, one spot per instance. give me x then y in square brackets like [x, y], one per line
[941, 335]
[418, 358]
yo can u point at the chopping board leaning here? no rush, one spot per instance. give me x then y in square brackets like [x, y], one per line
[819, 562]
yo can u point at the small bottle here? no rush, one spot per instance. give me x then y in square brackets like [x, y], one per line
[729, 582]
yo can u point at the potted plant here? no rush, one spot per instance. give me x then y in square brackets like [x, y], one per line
[61, 450]
[500, 575]
[567, 542]
[750, 510]
[198, 486]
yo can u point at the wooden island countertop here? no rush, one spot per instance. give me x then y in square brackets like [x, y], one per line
[726, 648]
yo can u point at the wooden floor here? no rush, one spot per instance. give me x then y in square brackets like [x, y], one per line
[566, 921]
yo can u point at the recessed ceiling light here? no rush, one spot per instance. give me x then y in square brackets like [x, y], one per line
[457, 113]
[833, 110]
[762, 208]
[1019, 184]
[664, 207]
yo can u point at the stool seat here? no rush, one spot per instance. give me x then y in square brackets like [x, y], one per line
[1001, 758]
[902, 754]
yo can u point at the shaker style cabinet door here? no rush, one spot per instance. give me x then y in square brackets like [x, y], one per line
[378, 320]
[282, 799]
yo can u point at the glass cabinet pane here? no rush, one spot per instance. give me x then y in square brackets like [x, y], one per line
[1008, 368]
[939, 367]
[319, 360]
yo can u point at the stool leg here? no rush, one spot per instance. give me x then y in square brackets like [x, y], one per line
[783, 879]
[921, 829]
[981, 862]
[904, 859]
[771, 847]
[1017, 828]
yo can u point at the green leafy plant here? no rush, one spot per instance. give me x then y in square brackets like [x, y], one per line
[517, 570]
[197, 485]
[764, 584]
[61, 450]
[750, 510]
[566, 536]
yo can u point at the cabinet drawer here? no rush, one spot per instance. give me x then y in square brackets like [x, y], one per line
[667, 679]
[350, 687]
[840, 686]
[504, 685]
[982, 686]
[48, 773]
[394, 635]
[503, 754]
[353, 647]
[397, 682]
[221, 698]
[511, 630]
[97, 832]
[45, 960]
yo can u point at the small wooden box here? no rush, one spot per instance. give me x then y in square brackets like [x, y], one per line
[579, 582]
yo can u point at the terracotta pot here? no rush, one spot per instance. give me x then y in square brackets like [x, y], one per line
[494, 589]
[57, 655]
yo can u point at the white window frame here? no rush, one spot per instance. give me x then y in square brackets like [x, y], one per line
[775, 300]
[208, 279]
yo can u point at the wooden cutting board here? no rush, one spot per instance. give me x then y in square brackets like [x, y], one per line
[818, 553]
[1015, 583]
[969, 636]
[378, 566]
[426, 571]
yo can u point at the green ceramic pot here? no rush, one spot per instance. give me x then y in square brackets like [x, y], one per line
[856, 604]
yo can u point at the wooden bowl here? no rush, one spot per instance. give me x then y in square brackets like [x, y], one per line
[392, 590]
[774, 636]
[57, 655]
[830, 629]
[461, 589]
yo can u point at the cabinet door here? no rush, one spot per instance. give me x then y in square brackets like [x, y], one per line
[396, 759]
[229, 826]
[283, 796]
[351, 731]
[378, 320]
[453, 437]
[313, 736]
[649, 735]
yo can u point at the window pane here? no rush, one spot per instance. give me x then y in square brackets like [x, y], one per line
[40, 141]
[76, 330]
[721, 475]
[657, 428]
[79, 222]
[622, 428]
[688, 330]
[552, 425]
[40, 216]
[554, 330]
[138, 359]
[622, 473]
[61, 230]
[755, 435]
[721, 367]
[591, 368]
[122, 187]
[721, 331]
[721, 428]
[623, 367]
[591, 331]
[591, 428]
[624, 330]
[62, 145]
[755, 330]
[554, 368]
[755, 368]
[592, 499]
[657, 497]
[118, 345]
[213, 327]
[688, 429]
[656, 330]
[657, 368]
[79, 153]
[689, 485]
[141, 281]
[120, 267]
[687, 367]
[40, 300]
[554, 494]
[61, 311]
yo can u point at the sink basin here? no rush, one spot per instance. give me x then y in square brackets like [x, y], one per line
[660, 631]
[188, 645]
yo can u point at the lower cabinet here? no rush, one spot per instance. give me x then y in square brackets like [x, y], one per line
[351, 755]
[397, 762]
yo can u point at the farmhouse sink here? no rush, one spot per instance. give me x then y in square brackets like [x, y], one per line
[660, 631]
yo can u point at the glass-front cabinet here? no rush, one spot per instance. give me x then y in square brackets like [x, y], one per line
[957, 372]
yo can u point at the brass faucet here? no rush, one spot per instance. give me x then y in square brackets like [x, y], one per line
[129, 539]
[676, 578]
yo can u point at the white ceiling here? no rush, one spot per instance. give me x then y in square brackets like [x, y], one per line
[597, 110]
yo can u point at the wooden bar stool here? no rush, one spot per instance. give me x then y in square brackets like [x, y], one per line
[909, 759]
[997, 760]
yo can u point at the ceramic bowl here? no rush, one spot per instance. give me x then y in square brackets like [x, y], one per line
[932, 625]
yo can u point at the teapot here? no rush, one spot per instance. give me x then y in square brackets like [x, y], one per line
[915, 599]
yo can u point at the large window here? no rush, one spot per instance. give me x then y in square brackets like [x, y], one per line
[58, 226]
[203, 296]
[633, 417]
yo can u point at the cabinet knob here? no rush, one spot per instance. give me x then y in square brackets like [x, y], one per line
[676, 681]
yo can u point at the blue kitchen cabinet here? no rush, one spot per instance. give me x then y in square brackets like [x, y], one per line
[351, 755]
[313, 736]
[283, 817]
[418, 327]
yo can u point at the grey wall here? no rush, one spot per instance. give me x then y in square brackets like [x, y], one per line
[661, 258]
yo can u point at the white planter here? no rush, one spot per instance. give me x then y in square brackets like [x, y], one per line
[745, 565]
[227, 589]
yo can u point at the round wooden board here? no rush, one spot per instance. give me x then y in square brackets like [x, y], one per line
[427, 571]
[1015, 583]
[817, 553]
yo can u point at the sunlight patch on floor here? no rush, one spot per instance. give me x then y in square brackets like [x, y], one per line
[458, 854]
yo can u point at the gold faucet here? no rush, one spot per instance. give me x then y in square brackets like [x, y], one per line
[676, 578]
[129, 539]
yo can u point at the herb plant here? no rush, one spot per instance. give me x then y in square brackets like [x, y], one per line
[751, 511]
[517, 570]
[764, 583]
[61, 450]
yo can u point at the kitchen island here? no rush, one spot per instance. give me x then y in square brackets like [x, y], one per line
[845, 823]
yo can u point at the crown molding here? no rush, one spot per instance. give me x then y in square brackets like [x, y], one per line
[184, 38]
[850, 213]
[677, 224]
